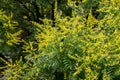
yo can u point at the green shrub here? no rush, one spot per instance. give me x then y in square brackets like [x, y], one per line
[78, 47]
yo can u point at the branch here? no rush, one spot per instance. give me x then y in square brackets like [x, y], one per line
[49, 2]
[38, 14]
[26, 7]
[42, 11]
[58, 1]
[53, 14]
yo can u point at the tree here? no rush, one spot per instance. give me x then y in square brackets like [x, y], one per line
[60, 39]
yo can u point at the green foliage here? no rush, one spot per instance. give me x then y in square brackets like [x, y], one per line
[9, 35]
[82, 45]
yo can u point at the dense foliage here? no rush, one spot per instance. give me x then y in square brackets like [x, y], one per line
[60, 39]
